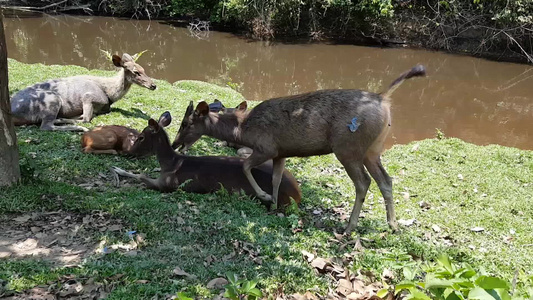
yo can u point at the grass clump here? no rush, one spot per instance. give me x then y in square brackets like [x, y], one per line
[447, 185]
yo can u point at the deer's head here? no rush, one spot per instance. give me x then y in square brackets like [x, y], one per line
[147, 141]
[134, 72]
[194, 125]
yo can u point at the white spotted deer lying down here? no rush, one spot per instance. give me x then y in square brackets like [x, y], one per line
[57, 101]
[353, 124]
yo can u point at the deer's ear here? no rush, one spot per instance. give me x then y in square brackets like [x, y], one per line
[153, 125]
[165, 119]
[117, 61]
[202, 109]
[126, 57]
[189, 110]
[242, 106]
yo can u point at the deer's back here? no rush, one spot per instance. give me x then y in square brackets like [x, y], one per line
[207, 173]
[64, 94]
[316, 123]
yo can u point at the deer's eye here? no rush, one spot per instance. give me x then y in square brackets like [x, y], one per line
[141, 138]
[137, 73]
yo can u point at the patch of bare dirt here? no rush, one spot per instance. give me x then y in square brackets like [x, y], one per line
[64, 238]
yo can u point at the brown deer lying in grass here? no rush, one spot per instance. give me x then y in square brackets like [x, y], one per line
[353, 124]
[113, 139]
[117, 139]
[85, 96]
[206, 173]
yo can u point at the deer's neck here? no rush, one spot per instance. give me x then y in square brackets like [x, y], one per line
[225, 127]
[115, 87]
[164, 152]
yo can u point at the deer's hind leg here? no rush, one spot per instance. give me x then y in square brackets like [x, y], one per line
[48, 116]
[384, 181]
[277, 174]
[355, 169]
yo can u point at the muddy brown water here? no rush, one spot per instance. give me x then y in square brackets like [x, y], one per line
[479, 101]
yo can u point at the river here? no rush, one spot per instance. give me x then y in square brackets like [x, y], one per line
[477, 100]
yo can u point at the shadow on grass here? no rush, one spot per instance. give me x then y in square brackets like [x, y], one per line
[133, 113]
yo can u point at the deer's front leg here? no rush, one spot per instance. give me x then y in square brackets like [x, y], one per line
[149, 182]
[153, 184]
[254, 160]
[88, 108]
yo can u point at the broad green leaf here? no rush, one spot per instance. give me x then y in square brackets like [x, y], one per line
[232, 277]
[444, 261]
[481, 294]
[382, 293]
[246, 287]
[503, 293]
[404, 285]
[231, 292]
[432, 282]
[489, 283]
[253, 283]
[451, 294]
[409, 274]
[182, 296]
[465, 272]
[255, 292]
[418, 295]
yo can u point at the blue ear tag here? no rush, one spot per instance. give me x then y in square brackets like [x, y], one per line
[353, 126]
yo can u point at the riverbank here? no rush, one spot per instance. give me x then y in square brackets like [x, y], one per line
[468, 201]
[496, 30]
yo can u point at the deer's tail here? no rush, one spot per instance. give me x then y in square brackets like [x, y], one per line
[418, 70]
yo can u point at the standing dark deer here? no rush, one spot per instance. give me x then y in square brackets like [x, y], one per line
[205, 174]
[76, 96]
[353, 124]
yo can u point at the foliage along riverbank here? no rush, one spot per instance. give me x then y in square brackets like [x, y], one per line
[470, 202]
[499, 30]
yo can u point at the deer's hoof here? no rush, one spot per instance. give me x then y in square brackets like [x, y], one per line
[265, 197]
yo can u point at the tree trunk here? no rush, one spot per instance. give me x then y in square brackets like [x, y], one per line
[9, 155]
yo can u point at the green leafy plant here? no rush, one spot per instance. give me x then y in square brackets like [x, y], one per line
[182, 296]
[238, 289]
[445, 280]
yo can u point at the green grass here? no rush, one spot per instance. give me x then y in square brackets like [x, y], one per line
[185, 229]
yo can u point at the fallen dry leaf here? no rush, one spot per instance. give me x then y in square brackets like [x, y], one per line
[179, 272]
[308, 256]
[320, 263]
[387, 275]
[344, 288]
[115, 227]
[477, 229]
[407, 223]
[22, 219]
[217, 283]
